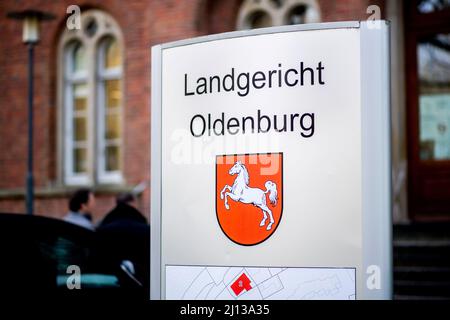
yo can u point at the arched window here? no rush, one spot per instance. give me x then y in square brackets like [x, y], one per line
[91, 101]
[255, 14]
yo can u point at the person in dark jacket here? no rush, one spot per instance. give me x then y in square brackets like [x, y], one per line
[124, 212]
[124, 235]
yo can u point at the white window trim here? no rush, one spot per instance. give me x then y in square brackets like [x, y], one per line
[103, 75]
[107, 27]
[72, 178]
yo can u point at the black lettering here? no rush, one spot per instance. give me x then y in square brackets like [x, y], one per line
[243, 83]
[293, 116]
[231, 77]
[211, 79]
[261, 78]
[284, 124]
[271, 72]
[279, 75]
[310, 128]
[186, 93]
[244, 120]
[222, 125]
[235, 125]
[246, 87]
[286, 79]
[302, 74]
[209, 124]
[192, 126]
[320, 68]
[259, 123]
[201, 84]
[221, 121]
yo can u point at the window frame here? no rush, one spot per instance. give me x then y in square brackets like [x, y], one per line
[103, 75]
[72, 78]
[107, 27]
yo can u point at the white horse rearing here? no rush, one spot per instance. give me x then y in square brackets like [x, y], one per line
[241, 192]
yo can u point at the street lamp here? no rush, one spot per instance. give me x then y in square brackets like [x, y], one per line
[30, 36]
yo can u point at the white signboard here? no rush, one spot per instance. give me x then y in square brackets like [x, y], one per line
[271, 165]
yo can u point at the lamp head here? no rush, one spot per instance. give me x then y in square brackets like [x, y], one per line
[31, 21]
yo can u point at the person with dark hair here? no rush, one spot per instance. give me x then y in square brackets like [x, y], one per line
[124, 211]
[124, 235]
[81, 205]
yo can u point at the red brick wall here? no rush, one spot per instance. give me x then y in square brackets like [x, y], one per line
[346, 10]
[143, 23]
[221, 15]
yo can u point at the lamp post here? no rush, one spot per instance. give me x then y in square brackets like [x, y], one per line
[30, 36]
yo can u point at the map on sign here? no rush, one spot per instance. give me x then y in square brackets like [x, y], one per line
[263, 283]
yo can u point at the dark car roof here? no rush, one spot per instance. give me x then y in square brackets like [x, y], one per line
[39, 224]
[24, 238]
[35, 251]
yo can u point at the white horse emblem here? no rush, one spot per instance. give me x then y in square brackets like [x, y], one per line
[241, 192]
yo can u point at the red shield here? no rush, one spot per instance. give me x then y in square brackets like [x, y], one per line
[249, 196]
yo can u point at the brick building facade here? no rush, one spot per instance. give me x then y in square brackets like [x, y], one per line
[142, 24]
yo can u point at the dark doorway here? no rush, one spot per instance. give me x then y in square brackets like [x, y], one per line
[427, 25]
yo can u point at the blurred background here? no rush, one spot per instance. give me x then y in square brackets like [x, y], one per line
[92, 93]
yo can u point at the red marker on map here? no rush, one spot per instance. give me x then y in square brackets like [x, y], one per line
[242, 283]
